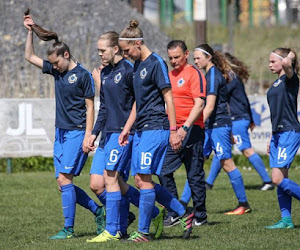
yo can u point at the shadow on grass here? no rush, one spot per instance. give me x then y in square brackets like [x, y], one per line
[253, 187]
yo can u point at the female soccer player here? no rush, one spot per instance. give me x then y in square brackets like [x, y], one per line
[217, 119]
[152, 90]
[74, 95]
[285, 140]
[241, 117]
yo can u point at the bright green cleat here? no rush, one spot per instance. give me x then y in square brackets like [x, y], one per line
[284, 223]
[100, 219]
[63, 234]
[158, 222]
[105, 236]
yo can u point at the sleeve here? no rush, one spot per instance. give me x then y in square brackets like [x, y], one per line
[88, 85]
[48, 68]
[101, 118]
[198, 84]
[213, 83]
[160, 74]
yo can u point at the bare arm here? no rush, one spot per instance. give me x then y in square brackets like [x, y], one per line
[209, 107]
[30, 55]
[89, 123]
[287, 64]
[175, 140]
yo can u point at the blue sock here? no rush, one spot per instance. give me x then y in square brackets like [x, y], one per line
[259, 166]
[290, 187]
[112, 211]
[147, 202]
[237, 183]
[68, 198]
[164, 197]
[102, 197]
[124, 210]
[285, 203]
[133, 195]
[186, 193]
[84, 200]
[215, 168]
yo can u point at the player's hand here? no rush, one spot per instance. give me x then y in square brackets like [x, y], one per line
[85, 145]
[181, 133]
[252, 126]
[91, 142]
[28, 22]
[123, 138]
[233, 140]
[175, 141]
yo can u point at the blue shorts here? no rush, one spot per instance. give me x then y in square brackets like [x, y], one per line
[117, 158]
[68, 157]
[98, 162]
[219, 140]
[283, 148]
[149, 150]
[241, 134]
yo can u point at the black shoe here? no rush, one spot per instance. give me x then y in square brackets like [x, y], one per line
[267, 186]
[131, 218]
[208, 186]
[199, 222]
[187, 224]
[171, 221]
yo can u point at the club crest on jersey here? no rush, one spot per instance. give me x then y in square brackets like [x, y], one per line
[180, 82]
[143, 73]
[118, 77]
[73, 78]
[275, 84]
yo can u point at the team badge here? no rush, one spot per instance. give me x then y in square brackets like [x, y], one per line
[275, 84]
[143, 73]
[73, 78]
[180, 82]
[117, 77]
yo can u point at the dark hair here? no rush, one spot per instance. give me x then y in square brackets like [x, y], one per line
[219, 60]
[132, 31]
[283, 52]
[177, 43]
[238, 67]
[59, 48]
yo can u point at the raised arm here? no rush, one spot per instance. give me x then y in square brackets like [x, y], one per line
[30, 55]
[287, 63]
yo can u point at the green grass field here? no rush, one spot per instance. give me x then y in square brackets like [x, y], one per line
[30, 212]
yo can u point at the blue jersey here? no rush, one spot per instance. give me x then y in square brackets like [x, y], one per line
[116, 97]
[238, 100]
[216, 85]
[282, 99]
[150, 78]
[71, 89]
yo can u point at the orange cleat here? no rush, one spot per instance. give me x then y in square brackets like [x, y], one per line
[240, 210]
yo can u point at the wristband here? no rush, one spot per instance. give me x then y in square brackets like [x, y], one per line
[173, 128]
[185, 128]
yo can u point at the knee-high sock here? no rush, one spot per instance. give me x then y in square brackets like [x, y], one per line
[259, 166]
[124, 209]
[237, 183]
[102, 197]
[84, 200]
[186, 193]
[113, 200]
[68, 198]
[215, 168]
[147, 202]
[167, 200]
[285, 202]
[133, 195]
[290, 187]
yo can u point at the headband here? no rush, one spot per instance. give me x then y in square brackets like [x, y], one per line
[273, 53]
[204, 51]
[130, 39]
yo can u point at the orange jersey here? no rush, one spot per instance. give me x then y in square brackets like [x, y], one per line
[187, 85]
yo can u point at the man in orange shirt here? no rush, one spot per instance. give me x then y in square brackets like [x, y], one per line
[189, 93]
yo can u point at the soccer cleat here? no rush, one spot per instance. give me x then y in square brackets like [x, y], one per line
[131, 218]
[158, 222]
[171, 221]
[208, 186]
[100, 219]
[267, 186]
[105, 236]
[282, 224]
[240, 210]
[199, 222]
[186, 222]
[63, 234]
[139, 237]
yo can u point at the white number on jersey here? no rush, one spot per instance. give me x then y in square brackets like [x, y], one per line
[113, 155]
[146, 159]
[282, 154]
